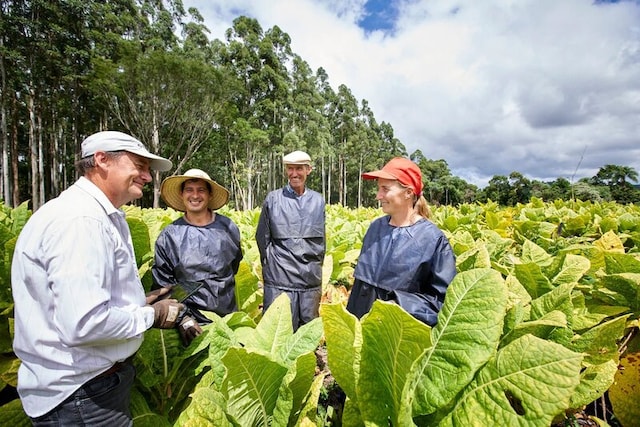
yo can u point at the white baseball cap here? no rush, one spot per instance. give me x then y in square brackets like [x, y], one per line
[118, 141]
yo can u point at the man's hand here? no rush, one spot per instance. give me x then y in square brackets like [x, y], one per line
[166, 313]
[188, 329]
[157, 294]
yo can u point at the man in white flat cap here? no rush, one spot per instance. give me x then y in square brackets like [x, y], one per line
[291, 240]
[201, 247]
[80, 308]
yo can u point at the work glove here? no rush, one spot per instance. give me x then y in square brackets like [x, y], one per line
[157, 294]
[166, 313]
[188, 329]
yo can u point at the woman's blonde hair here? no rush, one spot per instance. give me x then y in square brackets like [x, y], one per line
[420, 204]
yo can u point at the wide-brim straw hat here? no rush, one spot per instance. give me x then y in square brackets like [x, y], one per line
[171, 190]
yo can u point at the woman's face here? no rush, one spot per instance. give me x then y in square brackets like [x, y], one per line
[393, 197]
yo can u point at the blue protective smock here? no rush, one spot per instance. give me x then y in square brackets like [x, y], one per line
[210, 254]
[291, 239]
[410, 265]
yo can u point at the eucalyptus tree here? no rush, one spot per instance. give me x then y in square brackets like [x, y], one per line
[47, 59]
[434, 172]
[170, 102]
[9, 56]
[343, 114]
[258, 61]
[363, 148]
[306, 120]
[327, 149]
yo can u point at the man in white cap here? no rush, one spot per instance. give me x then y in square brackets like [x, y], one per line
[80, 308]
[201, 247]
[291, 240]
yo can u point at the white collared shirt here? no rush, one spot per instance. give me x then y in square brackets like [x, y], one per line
[79, 302]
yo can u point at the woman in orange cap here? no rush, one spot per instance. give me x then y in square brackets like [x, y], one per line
[405, 257]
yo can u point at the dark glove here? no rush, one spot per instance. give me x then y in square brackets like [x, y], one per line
[166, 313]
[188, 329]
[154, 296]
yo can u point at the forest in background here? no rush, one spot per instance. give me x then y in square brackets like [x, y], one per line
[231, 107]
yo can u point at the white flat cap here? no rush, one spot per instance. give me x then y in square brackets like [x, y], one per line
[297, 158]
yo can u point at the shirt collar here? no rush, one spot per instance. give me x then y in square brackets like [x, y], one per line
[93, 190]
[292, 191]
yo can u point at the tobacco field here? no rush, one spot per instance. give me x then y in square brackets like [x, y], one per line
[539, 328]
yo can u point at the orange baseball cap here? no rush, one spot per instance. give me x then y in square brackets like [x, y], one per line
[402, 170]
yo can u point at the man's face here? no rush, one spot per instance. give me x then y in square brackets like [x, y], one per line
[196, 195]
[297, 175]
[127, 176]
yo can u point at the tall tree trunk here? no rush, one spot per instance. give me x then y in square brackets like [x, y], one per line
[6, 194]
[41, 192]
[6, 186]
[360, 164]
[14, 156]
[33, 150]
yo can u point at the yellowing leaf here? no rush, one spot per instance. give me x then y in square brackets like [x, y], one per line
[625, 390]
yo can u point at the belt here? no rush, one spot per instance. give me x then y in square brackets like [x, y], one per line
[117, 367]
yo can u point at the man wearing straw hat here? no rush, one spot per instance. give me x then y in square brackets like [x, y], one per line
[201, 246]
[291, 240]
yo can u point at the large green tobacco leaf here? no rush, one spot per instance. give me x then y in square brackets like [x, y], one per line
[392, 340]
[207, 409]
[478, 257]
[343, 334]
[166, 371]
[533, 279]
[621, 263]
[594, 381]
[557, 299]
[140, 238]
[532, 253]
[273, 331]
[627, 285]
[572, 269]
[542, 327]
[251, 386]
[294, 388]
[309, 410]
[528, 382]
[248, 294]
[220, 338]
[600, 343]
[142, 415]
[12, 414]
[274, 334]
[466, 336]
[587, 313]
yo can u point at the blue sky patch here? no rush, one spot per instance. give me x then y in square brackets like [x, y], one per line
[380, 15]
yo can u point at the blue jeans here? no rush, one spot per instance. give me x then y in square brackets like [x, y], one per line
[102, 401]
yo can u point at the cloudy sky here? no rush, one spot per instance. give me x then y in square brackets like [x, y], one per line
[548, 88]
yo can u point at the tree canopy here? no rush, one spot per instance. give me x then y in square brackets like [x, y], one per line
[232, 107]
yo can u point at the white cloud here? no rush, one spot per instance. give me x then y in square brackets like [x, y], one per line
[492, 86]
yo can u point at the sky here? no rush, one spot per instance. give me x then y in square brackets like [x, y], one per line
[547, 88]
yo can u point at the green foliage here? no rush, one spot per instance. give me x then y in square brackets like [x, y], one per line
[260, 376]
[531, 328]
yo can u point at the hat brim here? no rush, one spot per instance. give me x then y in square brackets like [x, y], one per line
[170, 191]
[155, 162]
[378, 174]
